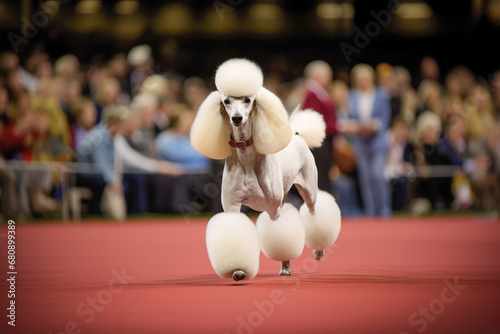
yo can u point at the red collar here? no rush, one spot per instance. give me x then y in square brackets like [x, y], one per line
[241, 144]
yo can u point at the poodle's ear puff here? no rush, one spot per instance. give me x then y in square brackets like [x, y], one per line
[211, 130]
[271, 128]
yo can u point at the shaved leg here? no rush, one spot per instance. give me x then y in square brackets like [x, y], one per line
[238, 275]
[286, 270]
[309, 196]
[318, 255]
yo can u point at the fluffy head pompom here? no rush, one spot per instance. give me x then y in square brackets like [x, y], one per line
[239, 77]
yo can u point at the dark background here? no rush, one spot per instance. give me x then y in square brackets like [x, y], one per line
[460, 34]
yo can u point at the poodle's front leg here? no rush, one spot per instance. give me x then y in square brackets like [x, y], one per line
[286, 269]
[230, 203]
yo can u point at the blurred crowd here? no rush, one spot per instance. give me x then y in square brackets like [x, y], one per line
[120, 132]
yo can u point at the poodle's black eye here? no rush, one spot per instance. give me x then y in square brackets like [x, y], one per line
[247, 100]
[226, 101]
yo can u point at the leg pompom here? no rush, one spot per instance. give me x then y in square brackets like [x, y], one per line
[281, 239]
[323, 227]
[233, 246]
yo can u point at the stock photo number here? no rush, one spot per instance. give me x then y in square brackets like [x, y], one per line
[11, 273]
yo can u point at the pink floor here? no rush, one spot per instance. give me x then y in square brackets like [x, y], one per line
[395, 276]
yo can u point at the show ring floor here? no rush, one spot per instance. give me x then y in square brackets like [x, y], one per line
[395, 276]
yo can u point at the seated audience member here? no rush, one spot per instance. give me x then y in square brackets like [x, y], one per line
[96, 157]
[480, 114]
[107, 93]
[136, 165]
[494, 149]
[427, 153]
[406, 95]
[104, 154]
[46, 101]
[71, 95]
[454, 148]
[195, 92]
[85, 115]
[145, 106]
[430, 98]
[25, 139]
[399, 165]
[8, 194]
[158, 86]
[174, 144]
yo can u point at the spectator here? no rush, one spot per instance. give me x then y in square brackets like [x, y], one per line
[495, 93]
[371, 109]
[119, 69]
[406, 96]
[141, 61]
[319, 76]
[8, 195]
[108, 152]
[431, 98]
[195, 91]
[67, 67]
[429, 69]
[96, 157]
[72, 92]
[427, 153]
[85, 115]
[174, 145]
[46, 101]
[157, 85]
[143, 139]
[343, 174]
[399, 169]
[479, 112]
[107, 94]
[25, 139]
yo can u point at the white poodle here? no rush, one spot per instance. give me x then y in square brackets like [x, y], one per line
[248, 125]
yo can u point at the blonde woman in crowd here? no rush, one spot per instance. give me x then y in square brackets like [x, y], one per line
[371, 110]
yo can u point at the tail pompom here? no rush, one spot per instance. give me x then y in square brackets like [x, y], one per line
[233, 245]
[310, 125]
[281, 239]
[323, 227]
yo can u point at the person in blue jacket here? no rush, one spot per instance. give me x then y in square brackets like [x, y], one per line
[371, 112]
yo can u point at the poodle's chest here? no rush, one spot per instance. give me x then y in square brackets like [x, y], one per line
[252, 188]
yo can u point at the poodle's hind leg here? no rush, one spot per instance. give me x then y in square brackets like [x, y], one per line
[286, 269]
[322, 226]
[308, 193]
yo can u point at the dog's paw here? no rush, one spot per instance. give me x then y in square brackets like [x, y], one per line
[286, 269]
[238, 275]
[285, 272]
[318, 255]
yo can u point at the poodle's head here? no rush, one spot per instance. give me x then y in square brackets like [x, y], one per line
[240, 95]
[238, 80]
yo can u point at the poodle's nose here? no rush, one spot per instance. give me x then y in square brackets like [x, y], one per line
[236, 119]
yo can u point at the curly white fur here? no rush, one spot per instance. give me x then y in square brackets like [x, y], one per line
[210, 130]
[281, 239]
[233, 244]
[239, 77]
[323, 227]
[310, 125]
